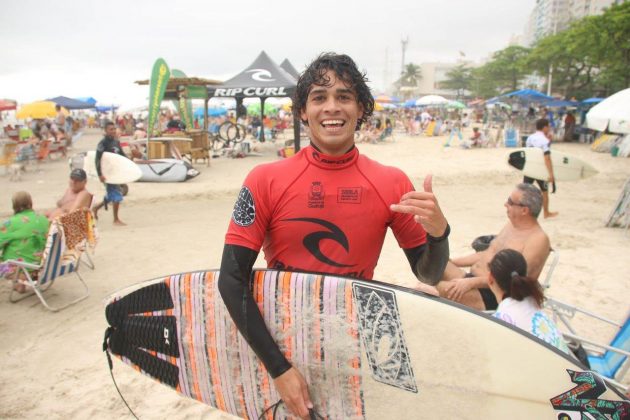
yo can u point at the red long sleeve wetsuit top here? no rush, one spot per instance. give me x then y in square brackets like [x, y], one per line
[326, 214]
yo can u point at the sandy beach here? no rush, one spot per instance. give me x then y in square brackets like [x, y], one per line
[52, 364]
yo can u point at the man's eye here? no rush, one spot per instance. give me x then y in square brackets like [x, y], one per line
[317, 98]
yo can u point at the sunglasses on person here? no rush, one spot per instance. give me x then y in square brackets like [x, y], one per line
[511, 202]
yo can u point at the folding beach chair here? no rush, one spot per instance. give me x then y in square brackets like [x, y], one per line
[609, 360]
[56, 262]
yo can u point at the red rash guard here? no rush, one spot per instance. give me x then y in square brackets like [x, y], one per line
[319, 213]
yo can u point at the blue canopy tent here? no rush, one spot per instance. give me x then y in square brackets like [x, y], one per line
[528, 95]
[106, 108]
[591, 101]
[561, 104]
[87, 99]
[70, 103]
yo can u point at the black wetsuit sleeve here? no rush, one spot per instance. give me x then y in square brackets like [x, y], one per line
[428, 261]
[235, 289]
[99, 154]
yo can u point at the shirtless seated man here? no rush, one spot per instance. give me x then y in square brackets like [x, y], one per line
[522, 233]
[75, 197]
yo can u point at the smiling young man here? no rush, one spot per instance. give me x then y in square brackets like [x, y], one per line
[327, 210]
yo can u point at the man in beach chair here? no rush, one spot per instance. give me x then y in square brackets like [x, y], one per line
[22, 237]
[76, 196]
[60, 257]
[521, 233]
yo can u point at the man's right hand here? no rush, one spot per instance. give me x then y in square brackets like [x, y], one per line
[294, 392]
[102, 178]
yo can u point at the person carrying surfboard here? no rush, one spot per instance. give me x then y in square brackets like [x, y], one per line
[325, 210]
[541, 140]
[114, 194]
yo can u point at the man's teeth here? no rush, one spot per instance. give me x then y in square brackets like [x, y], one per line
[332, 122]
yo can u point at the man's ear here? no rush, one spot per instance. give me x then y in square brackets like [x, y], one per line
[303, 116]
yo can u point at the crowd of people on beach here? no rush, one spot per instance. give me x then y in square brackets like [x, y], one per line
[502, 278]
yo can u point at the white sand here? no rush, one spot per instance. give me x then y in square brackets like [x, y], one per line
[52, 365]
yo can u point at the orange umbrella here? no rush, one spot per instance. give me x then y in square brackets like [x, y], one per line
[39, 110]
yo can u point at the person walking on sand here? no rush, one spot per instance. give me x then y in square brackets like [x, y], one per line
[326, 190]
[114, 195]
[541, 140]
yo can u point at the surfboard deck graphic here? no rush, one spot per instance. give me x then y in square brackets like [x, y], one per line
[531, 162]
[366, 349]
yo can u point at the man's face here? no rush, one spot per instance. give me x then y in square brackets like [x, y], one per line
[545, 130]
[76, 185]
[514, 206]
[110, 130]
[332, 113]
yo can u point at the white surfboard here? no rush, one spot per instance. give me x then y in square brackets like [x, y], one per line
[368, 350]
[116, 169]
[531, 161]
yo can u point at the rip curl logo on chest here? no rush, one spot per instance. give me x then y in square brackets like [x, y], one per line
[244, 212]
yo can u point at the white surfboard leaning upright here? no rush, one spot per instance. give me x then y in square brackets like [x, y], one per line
[116, 169]
[531, 162]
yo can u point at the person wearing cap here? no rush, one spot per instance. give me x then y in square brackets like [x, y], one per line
[76, 196]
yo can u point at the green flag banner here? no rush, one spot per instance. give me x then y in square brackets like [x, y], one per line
[184, 105]
[159, 80]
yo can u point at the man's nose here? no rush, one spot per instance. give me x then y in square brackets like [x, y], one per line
[331, 104]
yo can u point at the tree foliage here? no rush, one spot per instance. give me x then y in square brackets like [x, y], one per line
[411, 76]
[459, 78]
[590, 58]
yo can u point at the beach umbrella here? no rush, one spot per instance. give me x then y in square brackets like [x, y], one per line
[383, 99]
[39, 110]
[432, 100]
[456, 105]
[613, 113]
[255, 109]
[410, 103]
[212, 112]
[7, 105]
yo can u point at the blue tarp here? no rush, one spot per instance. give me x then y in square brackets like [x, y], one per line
[87, 99]
[70, 103]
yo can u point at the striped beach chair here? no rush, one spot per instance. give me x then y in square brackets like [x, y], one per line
[57, 261]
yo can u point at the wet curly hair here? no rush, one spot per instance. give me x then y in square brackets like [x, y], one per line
[346, 70]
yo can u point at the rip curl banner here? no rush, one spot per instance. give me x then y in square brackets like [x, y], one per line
[159, 80]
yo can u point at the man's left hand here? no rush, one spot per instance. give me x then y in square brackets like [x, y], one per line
[425, 208]
[458, 288]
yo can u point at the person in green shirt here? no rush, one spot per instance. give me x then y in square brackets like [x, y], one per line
[23, 236]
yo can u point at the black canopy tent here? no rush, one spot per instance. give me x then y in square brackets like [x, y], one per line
[288, 67]
[262, 79]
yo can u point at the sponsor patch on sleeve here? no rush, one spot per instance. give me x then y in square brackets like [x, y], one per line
[244, 212]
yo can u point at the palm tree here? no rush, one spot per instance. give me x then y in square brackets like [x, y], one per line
[411, 76]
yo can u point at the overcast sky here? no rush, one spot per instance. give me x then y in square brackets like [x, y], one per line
[88, 48]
